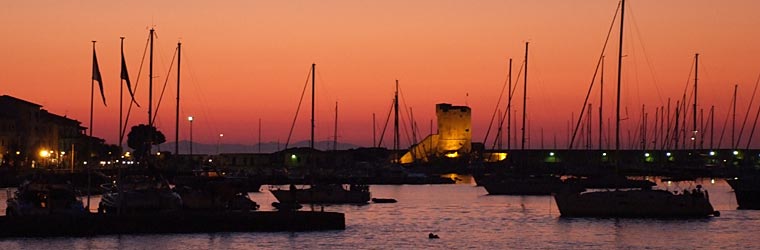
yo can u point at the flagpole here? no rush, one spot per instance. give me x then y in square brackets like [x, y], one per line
[89, 140]
[92, 92]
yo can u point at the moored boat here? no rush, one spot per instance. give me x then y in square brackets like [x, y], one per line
[747, 191]
[634, 202]
[138, 193]
[520, 184]
[324, 194]
[43, 196]
[208, 189]
[639, 203]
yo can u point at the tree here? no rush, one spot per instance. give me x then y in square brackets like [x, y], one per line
[140, 140]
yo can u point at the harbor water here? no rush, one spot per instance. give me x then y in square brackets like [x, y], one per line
[464, 217]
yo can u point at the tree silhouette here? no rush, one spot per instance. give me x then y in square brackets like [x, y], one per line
[140, 140]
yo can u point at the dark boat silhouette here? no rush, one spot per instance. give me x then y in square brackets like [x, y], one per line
[747, 191]
[320, 193]
[44, 195]
[633, 202]
[209, 189]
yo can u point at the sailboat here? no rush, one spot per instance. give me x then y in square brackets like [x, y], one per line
[520, 180]
[140, 192]
[633, 202]
[321, 193]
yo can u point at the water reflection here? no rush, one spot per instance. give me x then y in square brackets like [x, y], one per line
[464, 216]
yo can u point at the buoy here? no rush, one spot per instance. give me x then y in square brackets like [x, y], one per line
[432, 236]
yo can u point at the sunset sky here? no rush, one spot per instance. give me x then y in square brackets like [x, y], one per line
[248, 60]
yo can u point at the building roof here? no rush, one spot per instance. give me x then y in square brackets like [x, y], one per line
[19, 101]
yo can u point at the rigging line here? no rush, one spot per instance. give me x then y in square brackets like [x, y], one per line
[754, 124]
[725, 123]
[324, 107]
[387, 119]
[684, 107]
[198, 93]
[643, 48]
[498, 104]
[502, 116]
[137, 83]
[593, 78]
[303, 92]
[517, 79]
[406, 130]
[509, 98]
[408, 114]
[749, 108]
[166, 82]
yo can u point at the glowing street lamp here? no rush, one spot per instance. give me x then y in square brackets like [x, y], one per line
[218, 142]
[190, 119]
[44, 153]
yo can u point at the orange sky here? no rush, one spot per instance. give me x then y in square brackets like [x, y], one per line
[248, 60]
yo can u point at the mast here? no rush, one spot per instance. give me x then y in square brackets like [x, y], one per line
[313, 73]
[500, 135]
[619, 73]
[335, 132]
[374, 133]
[733, 123]
[643, 128]
[412, 124]
[396, 143]
[150, 82]
[694, 107]
[150, 95]
[712, 125]
[588, 128]
[176, 123]
[666, 140]
[656, 128]
[259, 137]
[525, 95]
[509, 107]
[678, 115]
[121, 102]
[601, 103]
[702, 128]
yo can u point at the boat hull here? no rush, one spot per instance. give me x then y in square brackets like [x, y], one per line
[322, 196]
[747, 191]
[521, 185]
[633, 203]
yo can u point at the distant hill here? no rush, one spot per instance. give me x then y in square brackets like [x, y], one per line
[267, 147]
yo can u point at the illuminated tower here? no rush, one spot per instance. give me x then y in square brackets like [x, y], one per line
[454, 128]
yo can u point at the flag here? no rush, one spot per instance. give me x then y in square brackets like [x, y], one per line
[96, 74]
[125, 77]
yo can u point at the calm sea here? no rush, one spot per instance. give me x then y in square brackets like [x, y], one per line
[465, 218]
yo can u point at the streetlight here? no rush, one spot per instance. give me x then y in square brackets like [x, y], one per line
[190, 119]
[219, 142]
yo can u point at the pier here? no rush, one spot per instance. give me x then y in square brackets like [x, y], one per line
[174, 222]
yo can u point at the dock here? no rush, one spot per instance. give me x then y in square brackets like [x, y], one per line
[170, 222]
